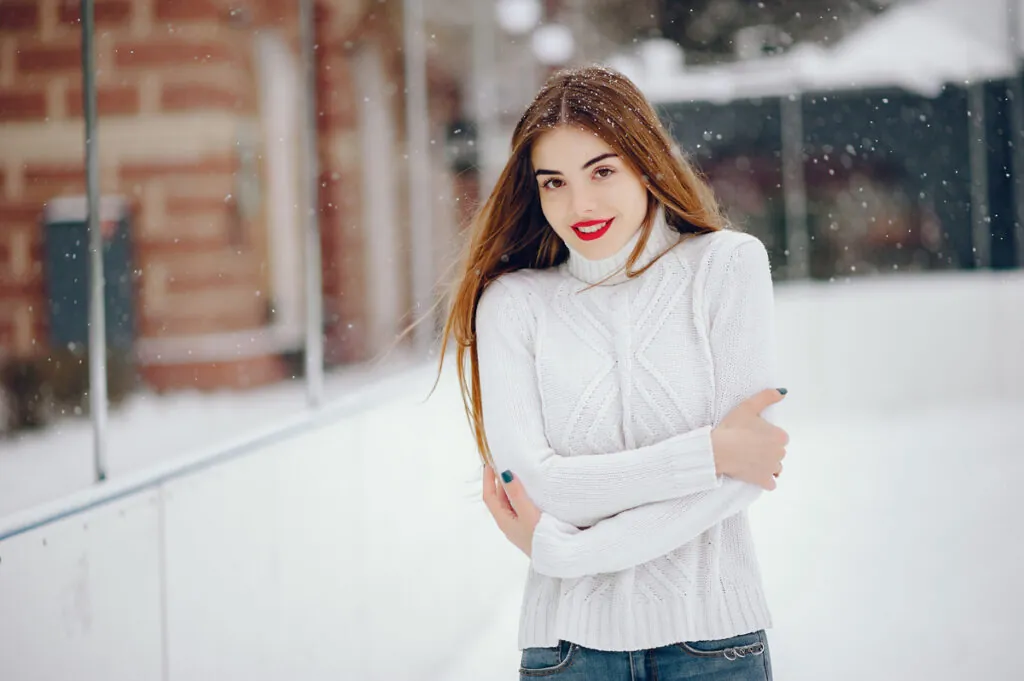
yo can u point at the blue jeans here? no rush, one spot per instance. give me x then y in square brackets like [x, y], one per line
[740, 658]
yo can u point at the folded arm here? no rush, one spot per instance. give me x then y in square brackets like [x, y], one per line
[740, 313]
[574, 489]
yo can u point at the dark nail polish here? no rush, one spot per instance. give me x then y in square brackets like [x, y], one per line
[506, 477]
[782, 391]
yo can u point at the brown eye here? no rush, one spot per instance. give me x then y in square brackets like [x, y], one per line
[604, 172]
[550, 184]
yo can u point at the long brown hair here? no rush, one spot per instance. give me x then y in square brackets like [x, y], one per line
[510, 233]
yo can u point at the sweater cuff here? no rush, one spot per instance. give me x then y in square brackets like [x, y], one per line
[549, 551]
[691, 461]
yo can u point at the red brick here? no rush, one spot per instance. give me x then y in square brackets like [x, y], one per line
[43, 181]
[193, 96]
[35, 246]
[211, 165]
[19, 16]
[115, 100]
[39, 334]
[20, 211]
[22, 106]
[203, 186]
[204, 281]
[50, 58]
[165, 246]
[322, 14]
[104, 13]
[192, 205]
[172, 53]
[188, 10]
[41, 192]
[54, 174]
[332, 119]
[20, 289]
[181, 323]
[336, 106]
[243, 373]
[280, 13]
[34, 298]
[35, 238]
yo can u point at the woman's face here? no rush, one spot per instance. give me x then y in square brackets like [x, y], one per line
[590, 196]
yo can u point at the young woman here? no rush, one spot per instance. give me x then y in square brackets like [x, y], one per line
[615, 346]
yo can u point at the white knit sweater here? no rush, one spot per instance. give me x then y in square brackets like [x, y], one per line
[602, 402]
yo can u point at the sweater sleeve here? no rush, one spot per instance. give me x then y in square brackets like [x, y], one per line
[575, 489]
[742, 339]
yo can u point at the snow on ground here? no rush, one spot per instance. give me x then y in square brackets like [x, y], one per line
[148, 429]
[890, 551]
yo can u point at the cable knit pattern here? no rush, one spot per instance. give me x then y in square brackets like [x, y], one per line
[602, 399]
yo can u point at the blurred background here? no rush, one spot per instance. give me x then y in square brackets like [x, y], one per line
[218, 220]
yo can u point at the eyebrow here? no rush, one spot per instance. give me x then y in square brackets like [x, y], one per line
[596, 159]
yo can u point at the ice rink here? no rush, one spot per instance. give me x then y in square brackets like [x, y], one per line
[891, 549]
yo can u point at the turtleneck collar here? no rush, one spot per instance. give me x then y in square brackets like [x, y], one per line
[594, 271]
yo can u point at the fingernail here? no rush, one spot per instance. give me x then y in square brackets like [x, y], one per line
[506, 477]
[782, 391]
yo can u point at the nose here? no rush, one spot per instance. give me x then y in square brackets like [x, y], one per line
[583, 202]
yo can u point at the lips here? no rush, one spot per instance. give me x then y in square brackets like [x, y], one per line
[586, 230]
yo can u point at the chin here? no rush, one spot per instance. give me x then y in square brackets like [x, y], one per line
[599, 251]
[595, 253]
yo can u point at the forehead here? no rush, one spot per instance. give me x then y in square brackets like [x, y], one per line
[566, 148]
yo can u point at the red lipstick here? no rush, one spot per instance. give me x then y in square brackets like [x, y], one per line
[588, 235]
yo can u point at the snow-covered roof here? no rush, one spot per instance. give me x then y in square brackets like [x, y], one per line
[917, 46]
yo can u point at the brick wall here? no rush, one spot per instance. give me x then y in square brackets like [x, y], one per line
[341, 33]
[175, 86]
[341, 210]
[176, 90]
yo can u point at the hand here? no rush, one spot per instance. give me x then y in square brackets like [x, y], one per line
[515, 514]
[747, 447]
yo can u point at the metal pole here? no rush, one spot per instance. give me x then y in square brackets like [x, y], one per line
[1016, 126]
[417, 126]
[314, 274]
[981, 235]
[794, 186]
[485, 101]
[97, 313]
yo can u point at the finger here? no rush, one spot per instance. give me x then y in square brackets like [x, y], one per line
[503, 500]
[513, 489]
[522, 505]
[490, 494]
[764, 399]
